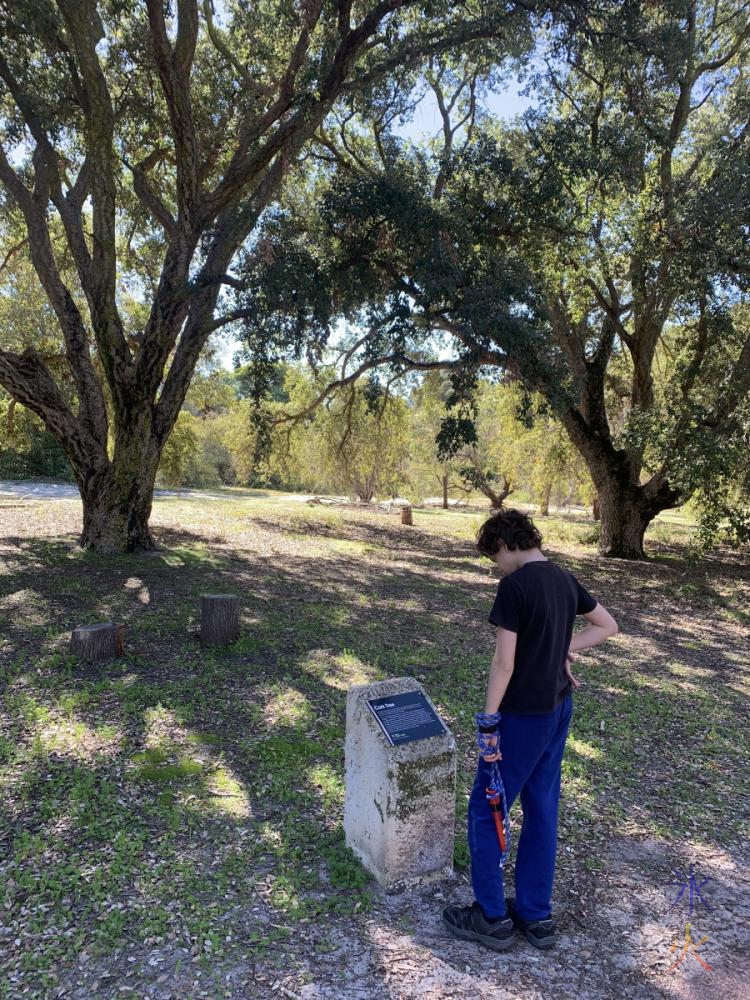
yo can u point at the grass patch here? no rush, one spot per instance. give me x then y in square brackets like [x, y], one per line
[193, 798]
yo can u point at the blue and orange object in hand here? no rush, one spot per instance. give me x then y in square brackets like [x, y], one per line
[488, 740]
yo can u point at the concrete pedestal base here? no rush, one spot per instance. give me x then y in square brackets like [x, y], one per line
[399, 809]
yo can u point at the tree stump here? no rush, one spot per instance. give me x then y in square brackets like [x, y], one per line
[406, 516]
[94, 643]
[220, 619]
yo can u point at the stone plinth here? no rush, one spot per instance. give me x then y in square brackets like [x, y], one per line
[399, 809]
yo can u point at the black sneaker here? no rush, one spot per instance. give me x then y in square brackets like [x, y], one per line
[469, 922]
[540, 933]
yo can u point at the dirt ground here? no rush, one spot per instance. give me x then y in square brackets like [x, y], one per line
[614, 942]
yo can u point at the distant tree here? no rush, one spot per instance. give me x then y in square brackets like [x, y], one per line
[356, 442]
[179, 452]
[210, 392]
[427, 473]
[367, 442]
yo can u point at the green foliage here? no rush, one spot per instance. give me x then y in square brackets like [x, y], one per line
[27, 449]
[179, 451]
[368, 443]
[142, 144]
[562, 251]
[456, 430]
[213, 442]
[357, 442]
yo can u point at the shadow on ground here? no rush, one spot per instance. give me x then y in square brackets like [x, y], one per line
[180, 792]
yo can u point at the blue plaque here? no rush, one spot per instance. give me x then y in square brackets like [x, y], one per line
[406, 717]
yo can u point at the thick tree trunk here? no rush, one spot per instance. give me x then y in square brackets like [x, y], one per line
[114, 522]
[117, 499]
[445, 492]
[624, 519]
[626, 506]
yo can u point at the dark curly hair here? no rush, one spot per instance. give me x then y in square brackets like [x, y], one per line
[512, 527]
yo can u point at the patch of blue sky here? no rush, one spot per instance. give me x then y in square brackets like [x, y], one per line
[427, 123]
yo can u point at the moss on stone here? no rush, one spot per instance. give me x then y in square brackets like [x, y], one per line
[417, 780]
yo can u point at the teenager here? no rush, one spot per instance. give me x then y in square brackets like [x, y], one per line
[527, 712]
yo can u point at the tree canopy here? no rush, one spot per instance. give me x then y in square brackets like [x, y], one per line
[604, 230]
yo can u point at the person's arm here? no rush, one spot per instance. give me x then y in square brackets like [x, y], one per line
[505, 616]
[602, 627]
[501, 669]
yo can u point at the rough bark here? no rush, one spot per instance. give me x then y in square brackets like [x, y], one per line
[116, 510]
[220, 619]
[623, 523]
[117, 494]
[96, 643]
[626, 506]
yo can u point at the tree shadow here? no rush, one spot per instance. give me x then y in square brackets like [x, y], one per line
[314, 625]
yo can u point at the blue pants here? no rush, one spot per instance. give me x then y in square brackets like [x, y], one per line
[532, 748]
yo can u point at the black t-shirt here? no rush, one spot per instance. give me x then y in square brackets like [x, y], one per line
[539, 601]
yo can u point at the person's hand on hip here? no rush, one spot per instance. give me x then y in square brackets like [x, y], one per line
[568, 660]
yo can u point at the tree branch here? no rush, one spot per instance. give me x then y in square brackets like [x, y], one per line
[174, 73]
[12, 252]
[714, 64]
[92, 409]
[410, 364]
[47, 159]
[612, 309]
[146, 194]
[86, 30]
[26, 377]
[411, 49]
[214, 34]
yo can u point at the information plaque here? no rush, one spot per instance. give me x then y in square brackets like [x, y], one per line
[406, 717]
